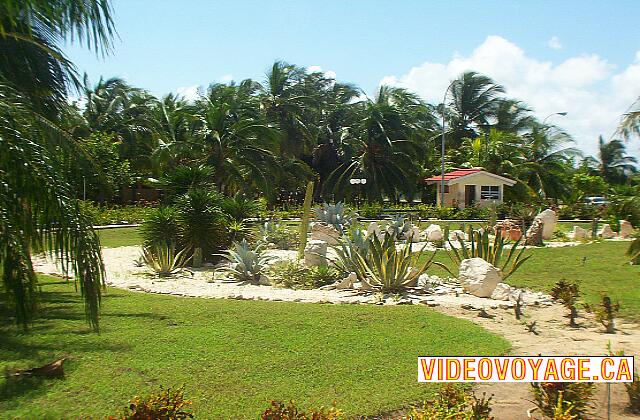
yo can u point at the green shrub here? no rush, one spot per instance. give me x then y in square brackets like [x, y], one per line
[248, 265]
[239, 207]
[295, 275]
[279, 234]
[280, 411]
[605, 313]
[202, 224]
[567, 294]
[452, 402]
[575, 395]
[633, 391]
[163, 259]
[494, 252]
[179, 181]
[114, 215]
[160, 226]
[168, 404]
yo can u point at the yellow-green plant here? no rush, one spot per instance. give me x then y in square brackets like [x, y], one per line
[163, 259]
[605, 313]
[167, 404]
[290, 411]
[493, 251]
[388, 268]
[304, 222]
[577, 396]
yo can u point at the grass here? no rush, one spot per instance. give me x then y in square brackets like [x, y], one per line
[599, 267]
[232, 356]
[112, 238]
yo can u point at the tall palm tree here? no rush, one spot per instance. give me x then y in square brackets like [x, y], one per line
[475, 100]
[612, 163]
[630, 122]
[234, 138]
[37, 206]
[382, 148]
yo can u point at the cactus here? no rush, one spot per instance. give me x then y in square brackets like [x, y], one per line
[335, 215]
[304, 223]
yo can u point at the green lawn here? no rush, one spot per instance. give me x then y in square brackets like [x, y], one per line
[232, 356]
[112, 238]
[600, 267]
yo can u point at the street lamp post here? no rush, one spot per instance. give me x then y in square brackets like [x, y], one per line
[551, 115]
[358, 182]
[444, 108]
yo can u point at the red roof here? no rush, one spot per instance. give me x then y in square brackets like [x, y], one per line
[458, 173]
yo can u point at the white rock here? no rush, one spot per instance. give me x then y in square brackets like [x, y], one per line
[434, 233]
[626, 229]
[549, 218]
[347, 282]
[579, 233]
[478, 277]
[456, 235]
[502, 292]
[321, 231]
[413, 234]
[605, 232]
[264, 281]
[315, 253]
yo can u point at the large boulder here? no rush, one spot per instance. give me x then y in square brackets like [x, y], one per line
[606, 232]
[579, 233]
[534, 233]
[457, 235]
[315, 253]
[374, 229]
[412, 234]
[434, 233]
[478, 277]
[321, 231]
[347, 282]
[549, 219]
[626, 229]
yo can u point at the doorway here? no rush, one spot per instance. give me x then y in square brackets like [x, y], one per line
[469, 195]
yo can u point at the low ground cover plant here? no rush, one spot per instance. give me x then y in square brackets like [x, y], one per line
[290, 411]
[295, 275]
[453, 402]
[168, 404]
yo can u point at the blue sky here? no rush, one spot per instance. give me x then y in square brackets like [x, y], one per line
[533, 47]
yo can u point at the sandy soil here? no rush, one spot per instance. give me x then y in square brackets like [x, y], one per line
[511, 400]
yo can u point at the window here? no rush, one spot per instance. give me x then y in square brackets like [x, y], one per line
[490, 192]
[446, 189]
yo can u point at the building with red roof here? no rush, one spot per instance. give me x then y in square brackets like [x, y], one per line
[468, 187]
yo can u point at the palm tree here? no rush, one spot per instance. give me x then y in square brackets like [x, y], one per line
[612, 163]
[235, 140]
[383, 148]
[175, 140]
[475, 99]
[630, 122]
[38, 207]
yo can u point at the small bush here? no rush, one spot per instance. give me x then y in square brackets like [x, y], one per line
[278, 234]
[575, 395]
[452, 402]
[567, 294]
[168, 404]
[633, 391]
[239, 207]
[605, 313]
[280, 411]
[295, 275]
[114, 215]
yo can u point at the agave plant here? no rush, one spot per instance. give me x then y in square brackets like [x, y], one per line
[163, 259]
[399, 226]
[247, 264]
[381, 264]
[492, 251]
[335, 215]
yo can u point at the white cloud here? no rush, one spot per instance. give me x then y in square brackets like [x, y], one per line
[589, 88]
[329, 74]
[554, 43]
[226, 78]
[189, 93]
